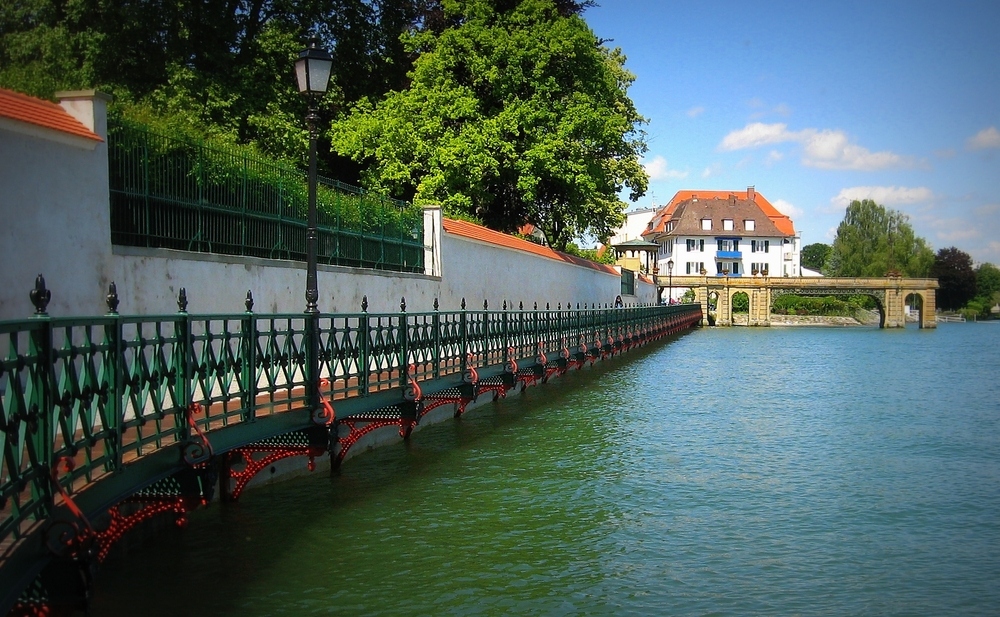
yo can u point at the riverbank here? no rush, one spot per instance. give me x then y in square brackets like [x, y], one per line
[866, 318]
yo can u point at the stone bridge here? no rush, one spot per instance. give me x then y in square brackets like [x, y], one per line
[890, 294]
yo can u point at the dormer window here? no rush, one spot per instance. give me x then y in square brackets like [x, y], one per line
[727, 224]
[749, 225]
[706, 224]
[670, 226]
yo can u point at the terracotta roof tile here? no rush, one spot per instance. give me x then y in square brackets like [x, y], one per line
[45, 114]
[478, 232]
[659, 220]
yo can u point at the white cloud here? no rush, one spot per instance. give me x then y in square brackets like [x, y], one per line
[884, 195]
[774, 156]
[832, 150]
[757, 134]
[657, 169]
[788, 209]
[712, 170]
[986, 138]
[694, 112]
[958, 234]
[824, 149]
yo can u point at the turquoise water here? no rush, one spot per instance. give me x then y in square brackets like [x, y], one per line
[732, 471]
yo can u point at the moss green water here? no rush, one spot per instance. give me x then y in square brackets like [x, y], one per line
[735, 471]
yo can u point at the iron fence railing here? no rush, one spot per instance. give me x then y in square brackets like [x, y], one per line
[180, 194]
[107, 391]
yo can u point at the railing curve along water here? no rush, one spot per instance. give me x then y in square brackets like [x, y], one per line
[83, 400]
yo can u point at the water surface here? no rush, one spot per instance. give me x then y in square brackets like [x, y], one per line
[732, 471]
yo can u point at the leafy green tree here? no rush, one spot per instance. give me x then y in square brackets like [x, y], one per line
[873, 240]
[987, 286]
[814, 256]
[741, 303]
[953, 270]
[223, 66]
[515, 113]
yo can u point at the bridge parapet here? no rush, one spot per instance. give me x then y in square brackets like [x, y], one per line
[890, 294]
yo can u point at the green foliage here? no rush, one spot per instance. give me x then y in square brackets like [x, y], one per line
[606, 257]
[814, 256]
[741, 303]
[826, 306]
[988, 285]
[514, 115]
[239, 176]
[220, 63]
[953, 270]
[874, 241]
[688, 296]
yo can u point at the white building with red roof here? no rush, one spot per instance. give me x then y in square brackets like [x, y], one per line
[724, 233]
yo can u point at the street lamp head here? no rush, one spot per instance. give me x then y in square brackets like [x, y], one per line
[312, 69]
[670, 265]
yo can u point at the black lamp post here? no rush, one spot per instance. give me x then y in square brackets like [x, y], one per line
[670, 281]
[312, 70]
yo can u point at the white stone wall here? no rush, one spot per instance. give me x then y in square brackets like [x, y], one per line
[55, 210]
[55, 217]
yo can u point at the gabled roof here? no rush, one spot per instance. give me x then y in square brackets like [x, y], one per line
[482, 234]
[658, 224]
[44, 114]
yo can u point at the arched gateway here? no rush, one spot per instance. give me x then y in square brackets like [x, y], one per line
[890, 294]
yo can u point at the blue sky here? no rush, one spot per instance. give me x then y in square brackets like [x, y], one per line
[817, 103]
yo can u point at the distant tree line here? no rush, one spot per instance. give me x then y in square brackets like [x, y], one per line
[875, 241]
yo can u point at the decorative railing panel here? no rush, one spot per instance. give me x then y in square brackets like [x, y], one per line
[107, 391]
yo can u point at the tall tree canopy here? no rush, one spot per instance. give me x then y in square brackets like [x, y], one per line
[953, 270]
[221, 65]
[988, 284]
[515, 113]
[814, 255]
[873, 240]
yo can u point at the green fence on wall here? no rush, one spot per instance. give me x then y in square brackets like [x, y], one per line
[181, 194]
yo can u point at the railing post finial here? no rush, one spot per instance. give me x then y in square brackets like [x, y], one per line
[402, 304]
[40, 296]
[249, 301]
[112, 299]
[182, 300]
[463, 304]
[435, 304]
[364, 304]
[486, 304]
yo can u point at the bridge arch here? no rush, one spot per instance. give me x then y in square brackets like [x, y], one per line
[879, 298]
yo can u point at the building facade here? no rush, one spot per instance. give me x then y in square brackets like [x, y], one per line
[723, 233]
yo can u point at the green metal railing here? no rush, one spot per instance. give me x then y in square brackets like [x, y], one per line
[185, 195]
[108, 391]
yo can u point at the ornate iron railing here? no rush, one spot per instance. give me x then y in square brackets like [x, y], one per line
[185, 195]
[106, 391]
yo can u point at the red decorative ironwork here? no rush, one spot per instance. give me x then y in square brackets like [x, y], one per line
[325, 415]
[369, 424]
[258, 457]
[68, 538]
[196, 449]
[150, 506]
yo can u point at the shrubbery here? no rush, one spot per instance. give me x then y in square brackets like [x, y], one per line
[825, 306]
[185, 162]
